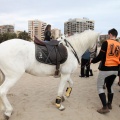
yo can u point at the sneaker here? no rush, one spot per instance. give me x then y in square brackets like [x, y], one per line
[103, 110]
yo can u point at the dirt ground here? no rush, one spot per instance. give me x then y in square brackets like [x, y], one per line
[32, 99]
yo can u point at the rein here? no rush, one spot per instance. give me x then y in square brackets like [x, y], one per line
[73, 50]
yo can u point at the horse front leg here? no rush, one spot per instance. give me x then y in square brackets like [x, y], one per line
[68, 90]
[64, 79]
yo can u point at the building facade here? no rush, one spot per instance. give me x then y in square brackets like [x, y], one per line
[78, 25]
[6, 28]
[56, 33]
[103, 37]
[36, 28]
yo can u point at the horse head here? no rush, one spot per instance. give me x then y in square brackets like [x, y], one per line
[93, 44]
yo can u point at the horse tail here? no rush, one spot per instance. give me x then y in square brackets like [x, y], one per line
[2, 78]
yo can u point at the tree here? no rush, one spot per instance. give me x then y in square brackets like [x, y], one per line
[24, 35]
[7, 36]
[1, 38]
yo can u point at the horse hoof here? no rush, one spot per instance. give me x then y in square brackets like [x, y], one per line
[62, 108]
[6, 117]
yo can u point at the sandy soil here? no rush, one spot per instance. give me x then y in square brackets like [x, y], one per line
[32, 98]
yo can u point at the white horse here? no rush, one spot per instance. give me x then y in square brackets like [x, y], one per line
[18, 56]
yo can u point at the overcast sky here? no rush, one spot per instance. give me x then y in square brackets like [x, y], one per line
[105, 13]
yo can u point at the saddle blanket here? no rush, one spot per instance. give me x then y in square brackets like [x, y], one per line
[51, 55]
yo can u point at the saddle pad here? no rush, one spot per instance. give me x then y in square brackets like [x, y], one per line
[51, 54]
[41, 54]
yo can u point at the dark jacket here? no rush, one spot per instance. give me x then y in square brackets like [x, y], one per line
[47, 35]
[86, 55]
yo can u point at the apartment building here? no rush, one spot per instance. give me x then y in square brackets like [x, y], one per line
[6, 28]
[103, 37]
[36, 28]
[56, 33]
[78, 25]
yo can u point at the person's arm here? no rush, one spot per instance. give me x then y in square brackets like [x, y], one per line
[101, 54]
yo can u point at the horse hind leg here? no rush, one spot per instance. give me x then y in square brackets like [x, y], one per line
[4, 88]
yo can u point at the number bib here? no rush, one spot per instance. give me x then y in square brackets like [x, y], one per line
[113, 53]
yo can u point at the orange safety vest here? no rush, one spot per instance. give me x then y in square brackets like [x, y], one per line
[113, 53]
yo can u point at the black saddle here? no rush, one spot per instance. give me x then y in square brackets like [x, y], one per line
[50, 52]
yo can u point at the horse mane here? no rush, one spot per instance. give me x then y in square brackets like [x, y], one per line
[82, 41]
[83, 37]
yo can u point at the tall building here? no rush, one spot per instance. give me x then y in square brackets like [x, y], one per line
[56, 33]
[6, 28]
[78, 25]
[36, 28]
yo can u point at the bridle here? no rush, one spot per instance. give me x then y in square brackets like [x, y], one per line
[73, 50]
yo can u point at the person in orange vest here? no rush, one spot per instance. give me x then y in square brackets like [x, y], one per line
[109, 56]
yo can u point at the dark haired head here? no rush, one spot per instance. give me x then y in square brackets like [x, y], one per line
[48, 27]
[113, 32]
